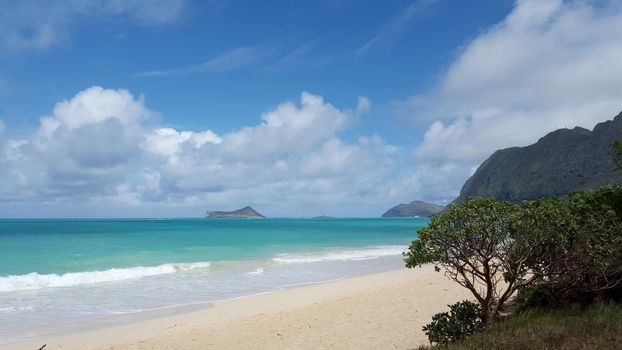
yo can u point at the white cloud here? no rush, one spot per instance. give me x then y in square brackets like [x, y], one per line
[412, 11]
[291, 59]
[94, 105]
[32, 24]
[167, 141]
[93, 136]
[147, 12]
[545, 54]
[363, 105]
[230, 60]
[97, 148]
[84, 147]
[287, 129]
[294, 148]
[549, 64]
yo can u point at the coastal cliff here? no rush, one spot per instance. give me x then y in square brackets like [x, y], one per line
[244, 213]
[563, 161]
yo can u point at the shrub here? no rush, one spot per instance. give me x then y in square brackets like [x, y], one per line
[463, 319]
[594, 328]
[576, 244]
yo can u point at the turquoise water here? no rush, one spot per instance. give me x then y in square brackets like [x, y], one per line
[59, 246]
[74, 270]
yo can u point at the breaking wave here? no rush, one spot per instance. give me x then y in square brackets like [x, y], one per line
[34, 280]
[342, 255]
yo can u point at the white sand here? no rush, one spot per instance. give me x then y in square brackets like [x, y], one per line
[377, 311]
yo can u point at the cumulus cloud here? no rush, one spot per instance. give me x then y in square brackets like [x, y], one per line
[549, 64]
[83, 148]
[94, 105]
[97, 129]
[98, 148]
[168, 142]
[287, 129]
[294, 152]
[32, 24]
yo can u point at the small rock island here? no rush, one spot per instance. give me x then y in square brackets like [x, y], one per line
[413, 209]
[245, 213]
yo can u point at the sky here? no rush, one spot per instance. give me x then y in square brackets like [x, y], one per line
[169, 108]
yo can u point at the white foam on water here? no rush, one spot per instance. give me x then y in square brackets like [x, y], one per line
[34, 280]
[11, 309]
[257, 272]
[341, 255]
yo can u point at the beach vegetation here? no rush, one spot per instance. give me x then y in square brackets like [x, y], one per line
[474, 244]
[595, 327]
[576, 248]
[558, 253]
[463, 319]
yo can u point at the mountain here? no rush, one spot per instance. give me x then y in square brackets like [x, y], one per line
[413, 209]
[246, 212]
[563, 161]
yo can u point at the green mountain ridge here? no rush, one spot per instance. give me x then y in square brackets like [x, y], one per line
[563, 161]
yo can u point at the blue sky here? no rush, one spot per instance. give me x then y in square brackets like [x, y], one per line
[336, 107]
[339, 49]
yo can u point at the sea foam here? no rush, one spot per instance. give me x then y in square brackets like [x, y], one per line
[342, 255]
[257, 272]
[11, 309]
[34, 280]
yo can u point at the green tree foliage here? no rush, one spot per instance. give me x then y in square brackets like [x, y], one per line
[463, 319]
[576, 244]
[605, 199]
[474, 244]
[568, 247]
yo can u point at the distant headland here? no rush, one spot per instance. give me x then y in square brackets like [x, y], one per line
[245, 213]
[413, 209]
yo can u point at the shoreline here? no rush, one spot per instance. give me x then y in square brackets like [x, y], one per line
[377, 310]
[122, 319]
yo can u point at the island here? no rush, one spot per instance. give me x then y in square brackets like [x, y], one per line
[413, 209]
[245, 213]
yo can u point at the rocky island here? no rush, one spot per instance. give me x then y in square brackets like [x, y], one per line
[413, 209]
[245, 213]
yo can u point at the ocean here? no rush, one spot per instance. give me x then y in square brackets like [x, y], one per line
[55, 273]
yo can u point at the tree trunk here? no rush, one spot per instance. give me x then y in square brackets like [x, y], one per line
[488, 315]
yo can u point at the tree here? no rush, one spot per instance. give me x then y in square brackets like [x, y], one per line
[579, 242]
[475, 244]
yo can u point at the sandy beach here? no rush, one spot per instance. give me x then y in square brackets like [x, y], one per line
[377, 311]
